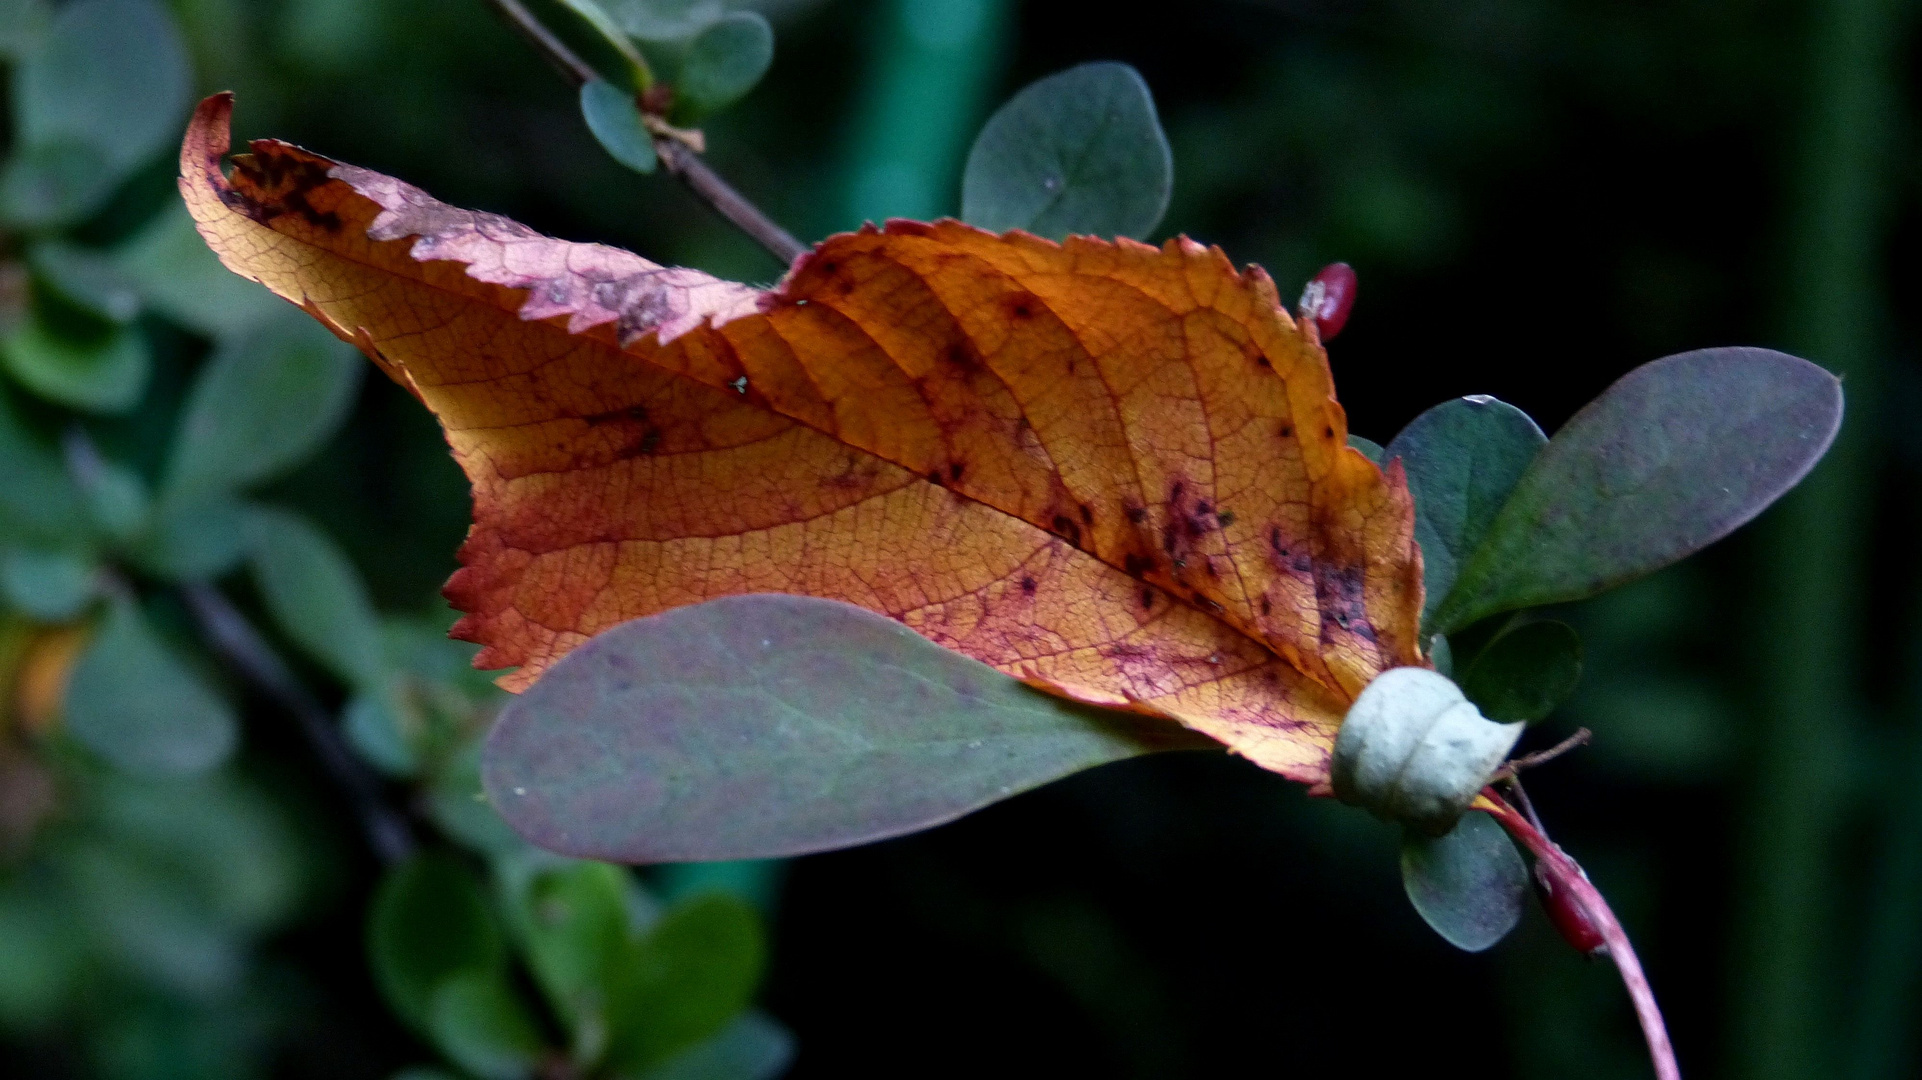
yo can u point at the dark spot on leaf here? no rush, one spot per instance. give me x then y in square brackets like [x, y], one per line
[934, 477]
[1137, 565]
[1147, 598]
[1136, 514]
[1027, 585]
[961, 356]
[1168, 538]
[1203, 507]
[650, 440]
[955, 470]
[1226, 518]
[1263, 361]
[1328, 432]
[1087, 514]
[1267, 606]
[1287, 431]
[1065, 527]
[1208, 564]
[1174, 493]
[1274, 541]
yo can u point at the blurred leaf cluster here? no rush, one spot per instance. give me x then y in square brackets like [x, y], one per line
[152, 850]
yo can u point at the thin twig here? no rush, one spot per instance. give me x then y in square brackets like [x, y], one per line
[1542, 757]
[680, 159]
[702, 180]
[243, 646]
[572, 67]
[1567, 874]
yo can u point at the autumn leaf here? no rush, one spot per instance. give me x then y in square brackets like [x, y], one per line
[1115, 471]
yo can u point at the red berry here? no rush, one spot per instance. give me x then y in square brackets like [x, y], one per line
[1566, 914]
[1328, 297]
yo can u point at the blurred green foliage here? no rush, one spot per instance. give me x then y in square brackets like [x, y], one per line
[162, 421]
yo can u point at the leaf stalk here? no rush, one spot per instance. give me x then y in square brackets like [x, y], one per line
[1567, 874]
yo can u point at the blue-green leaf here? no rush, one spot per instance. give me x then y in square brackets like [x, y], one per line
[103, 372]
[1676, 455]
[764, 725]
[109, 75]
[316, 596]
[666, 20]
[136, 704]
[1462, 457]
[616, 123]
[262, 405]
[1077, 152]
[178, 275]
[725, 61]
[50, 584]
[1469, 885]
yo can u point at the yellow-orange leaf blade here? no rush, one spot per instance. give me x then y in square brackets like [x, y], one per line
[1116, 471]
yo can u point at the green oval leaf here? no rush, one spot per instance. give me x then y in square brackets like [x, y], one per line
[1469, 885]
[53, 184]
[262, 405]
[1526, 672]
[135, 704]
[616, 123]
[39, 502]
[755, 726]
[1462, 457]
[102, 372]
[178, 275]
[481, 1024]
[1077, 152]
[751, 1047]
[573, 922]
[52, 585]
[666, 20]
[111, 75]
[725, 61]
[596, 16]
[316, 596]
[429, 921]
[684, 981]
[1673, 457]
[193, 540]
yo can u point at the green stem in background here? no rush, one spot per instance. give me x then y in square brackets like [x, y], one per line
[934, 68]
[681, 160]
[1812, 582]
[1882, 1044]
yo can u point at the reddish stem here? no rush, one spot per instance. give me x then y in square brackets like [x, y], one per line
[1568, 875]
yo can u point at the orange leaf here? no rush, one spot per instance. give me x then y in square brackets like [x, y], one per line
[1115, 471]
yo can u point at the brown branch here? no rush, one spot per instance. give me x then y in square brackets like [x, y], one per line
[571, 66]
[1566, 873]
[1542, 757]
[680, 159]
[700, 178]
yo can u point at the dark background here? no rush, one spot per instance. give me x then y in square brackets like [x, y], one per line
[1537, 196]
